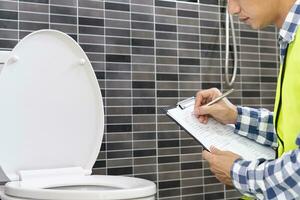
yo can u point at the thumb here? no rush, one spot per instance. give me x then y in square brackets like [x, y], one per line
[215, 150]
[206, 155]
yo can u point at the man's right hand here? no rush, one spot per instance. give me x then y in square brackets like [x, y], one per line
[223, 111]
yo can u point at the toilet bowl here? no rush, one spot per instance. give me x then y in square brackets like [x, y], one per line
[52, 124]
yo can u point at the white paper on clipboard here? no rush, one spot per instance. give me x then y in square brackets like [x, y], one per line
[216, 134]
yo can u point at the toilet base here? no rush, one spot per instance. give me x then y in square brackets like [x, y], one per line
[4, 197]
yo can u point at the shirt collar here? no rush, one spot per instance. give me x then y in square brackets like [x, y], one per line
[289, 27]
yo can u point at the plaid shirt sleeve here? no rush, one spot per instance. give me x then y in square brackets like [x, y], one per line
[276, 179]
[256, 124]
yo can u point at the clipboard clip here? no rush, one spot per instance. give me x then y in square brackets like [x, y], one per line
[186, 103]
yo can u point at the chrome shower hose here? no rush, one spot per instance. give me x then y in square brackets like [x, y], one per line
[235, 59]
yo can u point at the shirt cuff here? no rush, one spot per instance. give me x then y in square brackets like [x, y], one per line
[245, 121]
[239, 175]
[243, 176]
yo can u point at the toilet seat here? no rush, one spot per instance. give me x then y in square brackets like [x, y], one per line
[52, 120]
[115, 187]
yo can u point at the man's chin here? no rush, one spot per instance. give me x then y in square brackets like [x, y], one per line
[255, 26]
[252, 26]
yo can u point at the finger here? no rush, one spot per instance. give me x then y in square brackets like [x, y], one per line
[220, 178]
[205, 120]
[202, 96]
[215, 150]
[206, 155]
[201, 118]
[215, 95]
[198, 101]
[213, 170]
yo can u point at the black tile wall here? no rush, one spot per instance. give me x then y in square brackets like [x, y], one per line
[148, 54]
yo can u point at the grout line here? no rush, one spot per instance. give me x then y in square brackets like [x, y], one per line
[178, 97]
[131, 92]
[105, 82]
[18, 21]
[155, 96]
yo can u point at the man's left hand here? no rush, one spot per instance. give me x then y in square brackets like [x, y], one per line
[221, 163]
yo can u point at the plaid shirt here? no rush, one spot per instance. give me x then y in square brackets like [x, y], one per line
[269, 179]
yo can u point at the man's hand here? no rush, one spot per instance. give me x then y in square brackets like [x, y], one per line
[223, 111]
[221, 163]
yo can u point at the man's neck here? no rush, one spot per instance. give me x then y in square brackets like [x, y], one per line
[284, 8]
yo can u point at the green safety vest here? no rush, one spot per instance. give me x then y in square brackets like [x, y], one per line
[287, 102]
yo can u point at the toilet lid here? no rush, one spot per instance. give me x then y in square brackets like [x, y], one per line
[51, 110]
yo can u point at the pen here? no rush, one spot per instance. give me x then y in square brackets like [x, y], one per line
[220, 97]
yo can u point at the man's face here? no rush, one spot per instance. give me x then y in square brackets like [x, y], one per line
[256, 13]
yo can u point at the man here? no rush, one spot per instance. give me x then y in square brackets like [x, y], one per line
[263, 179]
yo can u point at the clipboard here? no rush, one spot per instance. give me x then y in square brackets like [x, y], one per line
[216, 134]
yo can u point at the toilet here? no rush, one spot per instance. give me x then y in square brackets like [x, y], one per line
[52, 124]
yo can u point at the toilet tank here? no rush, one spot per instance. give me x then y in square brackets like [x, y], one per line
[3, 57]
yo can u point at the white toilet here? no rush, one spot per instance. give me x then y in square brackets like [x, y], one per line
[52, 124]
